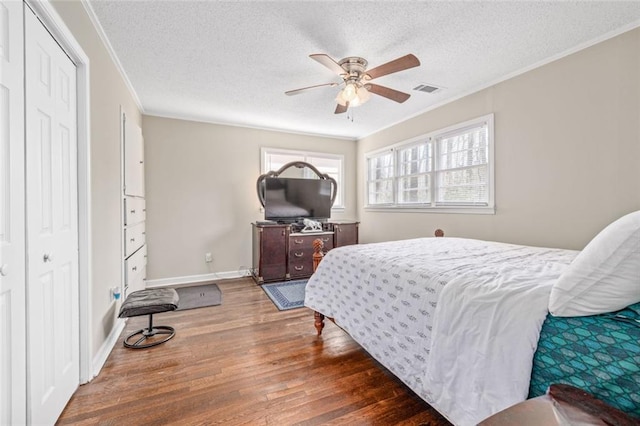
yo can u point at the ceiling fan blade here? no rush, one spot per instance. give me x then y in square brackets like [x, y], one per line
[328, 62]
[388, 93]
[304, 89]
[400, 64]
[341, 108]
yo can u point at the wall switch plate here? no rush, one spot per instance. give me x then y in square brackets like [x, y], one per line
[208, 257]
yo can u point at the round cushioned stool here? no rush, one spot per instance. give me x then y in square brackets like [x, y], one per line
[149, 302]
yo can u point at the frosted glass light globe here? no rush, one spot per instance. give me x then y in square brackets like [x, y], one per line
[364, 95]
[349, 92]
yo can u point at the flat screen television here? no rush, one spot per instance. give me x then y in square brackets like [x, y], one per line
[291, 199]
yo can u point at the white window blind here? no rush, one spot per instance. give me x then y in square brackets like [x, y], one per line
[380, 181]
[414, 174]
[449, 169]
[463, 167]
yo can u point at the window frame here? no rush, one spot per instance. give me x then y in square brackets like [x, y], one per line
[303, 155]
[377, 154]
[432, 138]
[414, 143]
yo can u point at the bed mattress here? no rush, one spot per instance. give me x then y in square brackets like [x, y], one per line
[456, 319]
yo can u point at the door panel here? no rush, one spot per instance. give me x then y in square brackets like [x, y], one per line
[133, 159]
[12, 241]
[52, 224]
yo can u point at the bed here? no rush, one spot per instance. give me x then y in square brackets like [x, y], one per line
[459, 320]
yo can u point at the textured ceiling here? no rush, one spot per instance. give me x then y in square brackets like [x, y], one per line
[231, 62]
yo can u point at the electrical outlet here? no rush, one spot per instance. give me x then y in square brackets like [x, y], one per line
[208, 257]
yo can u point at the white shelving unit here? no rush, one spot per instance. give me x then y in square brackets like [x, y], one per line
[134, 246]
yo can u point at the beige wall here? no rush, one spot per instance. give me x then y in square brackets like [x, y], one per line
[201, 192]
[567, 163]
[567, 152]
[108, 92]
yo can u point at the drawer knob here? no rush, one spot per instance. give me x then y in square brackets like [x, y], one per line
[298, 241]
[298, 254]
[135, 268]
[325, 239]
[47, 258]
[4, 270]
[298, 268]
[132, 240]
[133, 211]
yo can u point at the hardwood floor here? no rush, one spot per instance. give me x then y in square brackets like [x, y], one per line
[245, 362]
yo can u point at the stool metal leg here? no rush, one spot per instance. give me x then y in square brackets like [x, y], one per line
[146, 333]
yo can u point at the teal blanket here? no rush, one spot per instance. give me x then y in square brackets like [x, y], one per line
[599, 354]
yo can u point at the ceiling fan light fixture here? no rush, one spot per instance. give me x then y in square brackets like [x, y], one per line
[353, 95]
[349, 92]
[363, 95]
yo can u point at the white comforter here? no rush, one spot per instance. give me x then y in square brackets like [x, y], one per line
[457, 320]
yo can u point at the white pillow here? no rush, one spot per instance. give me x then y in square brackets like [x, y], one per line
[605, 276]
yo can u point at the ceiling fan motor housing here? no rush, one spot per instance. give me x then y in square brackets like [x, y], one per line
[354, 66]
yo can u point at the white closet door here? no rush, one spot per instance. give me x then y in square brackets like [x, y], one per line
[52, 224]
[12, 241]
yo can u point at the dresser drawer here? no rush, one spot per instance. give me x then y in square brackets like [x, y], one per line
[300, 267]
[135, 266]
[300, 251]
[300, 261]
[137, 282]
[134, 210]
[300, 256]
[134, 237]
[297, 242]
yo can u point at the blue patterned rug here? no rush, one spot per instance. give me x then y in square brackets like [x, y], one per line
[287, 294]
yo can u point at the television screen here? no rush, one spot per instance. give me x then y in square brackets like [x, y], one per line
[290, 199]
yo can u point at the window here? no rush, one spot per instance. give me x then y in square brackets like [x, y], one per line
[462, 169]
[381, 179]
[332, 164]
[446, 170]
[414, 174]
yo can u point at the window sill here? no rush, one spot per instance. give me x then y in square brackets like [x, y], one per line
[446, 210]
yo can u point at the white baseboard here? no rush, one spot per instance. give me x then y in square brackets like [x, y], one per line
[190, 279]
[107, 346]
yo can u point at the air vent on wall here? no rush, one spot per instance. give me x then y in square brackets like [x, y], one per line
[427, 88]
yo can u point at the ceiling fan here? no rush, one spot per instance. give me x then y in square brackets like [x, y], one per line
[357, 79]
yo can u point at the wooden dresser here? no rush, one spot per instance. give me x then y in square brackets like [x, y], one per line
[280, 253]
